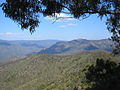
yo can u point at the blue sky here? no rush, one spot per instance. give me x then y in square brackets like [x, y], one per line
[91, 28]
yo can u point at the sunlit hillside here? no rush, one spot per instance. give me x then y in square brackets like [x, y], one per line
[49, 72]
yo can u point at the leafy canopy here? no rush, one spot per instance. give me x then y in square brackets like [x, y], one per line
[105, 75]
[27, 12]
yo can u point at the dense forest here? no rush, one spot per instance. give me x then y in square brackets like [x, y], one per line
[60, 72]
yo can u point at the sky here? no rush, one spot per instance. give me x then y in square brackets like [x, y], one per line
[91, 28]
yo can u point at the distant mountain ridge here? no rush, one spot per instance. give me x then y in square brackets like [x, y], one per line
[20, 48]
[78, 45]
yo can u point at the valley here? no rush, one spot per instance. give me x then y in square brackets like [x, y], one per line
[13, 50]
[50, 64]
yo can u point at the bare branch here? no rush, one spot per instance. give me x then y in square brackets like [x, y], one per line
[57, 18]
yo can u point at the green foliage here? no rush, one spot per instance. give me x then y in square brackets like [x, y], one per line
[49, 72]
[23, 12]
[104, 75]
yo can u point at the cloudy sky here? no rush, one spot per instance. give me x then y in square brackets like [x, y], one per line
[62, 29]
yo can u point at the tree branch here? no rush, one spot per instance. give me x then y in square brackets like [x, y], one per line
[95, 12]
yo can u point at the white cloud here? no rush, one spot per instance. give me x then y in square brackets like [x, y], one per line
[10, 34]
[62, 26]
[60, 17]
[70, 24]
[7, 33]
[19, 36]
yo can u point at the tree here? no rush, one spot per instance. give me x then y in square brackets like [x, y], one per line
[27, 12]
[105, 75]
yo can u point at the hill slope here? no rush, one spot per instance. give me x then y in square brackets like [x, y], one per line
[17, 49]
[48, 72]
[78, 45]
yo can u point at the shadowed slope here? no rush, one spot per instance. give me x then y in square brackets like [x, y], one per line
[78, 45]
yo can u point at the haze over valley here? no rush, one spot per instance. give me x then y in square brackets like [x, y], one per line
[15, 49]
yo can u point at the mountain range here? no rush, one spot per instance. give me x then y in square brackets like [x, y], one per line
[21, 48]
[78, 45]
[12, 50]
[65, 70]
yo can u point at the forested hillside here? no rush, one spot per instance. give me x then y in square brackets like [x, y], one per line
[49, 72]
